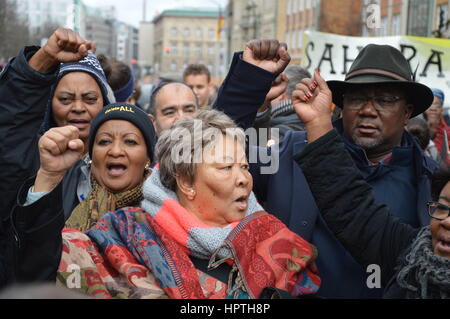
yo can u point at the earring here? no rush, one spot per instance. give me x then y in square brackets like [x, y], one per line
[191, 194]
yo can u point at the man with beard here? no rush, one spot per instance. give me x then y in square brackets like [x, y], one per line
[378, 96]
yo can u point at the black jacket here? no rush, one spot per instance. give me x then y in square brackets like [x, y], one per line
[366, 229]
[23, 99]
[286, 193]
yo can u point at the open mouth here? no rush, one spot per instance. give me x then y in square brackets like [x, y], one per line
[79, 123]
[242, 202]
[116, 169]
[443, 245]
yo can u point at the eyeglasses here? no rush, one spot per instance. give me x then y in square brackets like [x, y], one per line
[381, 103]
[438, 211]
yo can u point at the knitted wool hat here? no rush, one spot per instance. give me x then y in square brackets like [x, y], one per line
[89, 65]
[126, 112]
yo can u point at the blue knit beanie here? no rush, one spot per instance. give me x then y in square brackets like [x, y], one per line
[90, 65]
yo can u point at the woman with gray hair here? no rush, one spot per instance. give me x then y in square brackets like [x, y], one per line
[199, 232]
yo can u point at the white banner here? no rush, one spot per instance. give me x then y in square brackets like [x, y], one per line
[333, 55]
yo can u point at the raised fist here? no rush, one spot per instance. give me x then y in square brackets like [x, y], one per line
[66, 45]
[267, 54]
[312, 101]
[59, 149]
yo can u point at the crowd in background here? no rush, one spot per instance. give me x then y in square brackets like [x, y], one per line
[89, 181]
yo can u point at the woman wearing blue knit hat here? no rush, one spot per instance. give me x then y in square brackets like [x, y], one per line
[60, 84]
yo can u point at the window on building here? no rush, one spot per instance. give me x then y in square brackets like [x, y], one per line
[198, 49]
[199, 32]
[211, 50]
[396, 24]
[211, 33]
[173, 66]
[300, 38]
[173, 48]
[442, 10]
[308, 4]
[174, 32]
[289, 7]
[418, 17]
[187, 32]
[186, 49]
[383, 27]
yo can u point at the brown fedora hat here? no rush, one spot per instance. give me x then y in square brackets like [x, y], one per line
[377, 64]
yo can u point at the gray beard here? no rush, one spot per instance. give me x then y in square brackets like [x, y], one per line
[367, 144]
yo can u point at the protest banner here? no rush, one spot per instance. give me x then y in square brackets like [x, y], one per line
[333, 54]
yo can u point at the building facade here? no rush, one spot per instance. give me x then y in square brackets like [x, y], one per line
[146, 47]
[43, 12]
[185, 36]
[127, 42]
[405, 17]
[98, 24]
[359, 18]
[251, 19]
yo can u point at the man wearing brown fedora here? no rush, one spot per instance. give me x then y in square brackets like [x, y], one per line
[377, 98]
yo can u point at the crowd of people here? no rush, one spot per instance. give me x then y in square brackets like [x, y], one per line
[107, 198]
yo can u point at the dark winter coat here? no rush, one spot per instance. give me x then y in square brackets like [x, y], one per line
[286, 193]
[367, 229]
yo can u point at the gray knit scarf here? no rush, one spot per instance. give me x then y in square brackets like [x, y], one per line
[203, 242]
[423, 274]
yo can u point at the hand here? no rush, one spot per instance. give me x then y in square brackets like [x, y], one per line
[59, 149]
[64, 45]
[279, 86]
[269, 55]
[312, 101]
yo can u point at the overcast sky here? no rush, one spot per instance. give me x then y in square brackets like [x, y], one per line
[130, 11]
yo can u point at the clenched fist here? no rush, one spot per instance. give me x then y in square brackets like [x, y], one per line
[267, 54]
[59, 149]
[64, 45]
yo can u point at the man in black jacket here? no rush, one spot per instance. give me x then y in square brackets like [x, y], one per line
[412, 263]
[387, 156]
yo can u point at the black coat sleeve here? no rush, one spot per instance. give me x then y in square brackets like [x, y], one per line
[243, 91]
[24, 94]
[37, 242]
[366, 229]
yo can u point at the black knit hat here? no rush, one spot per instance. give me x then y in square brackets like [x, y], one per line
[126, 112]
[383, 64]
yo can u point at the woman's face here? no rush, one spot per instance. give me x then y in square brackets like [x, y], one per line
[222, 184]
[119, 156]
[440, 230]
[77, 100]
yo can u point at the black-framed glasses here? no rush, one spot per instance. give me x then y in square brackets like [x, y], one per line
[355, 102]
[438, 210]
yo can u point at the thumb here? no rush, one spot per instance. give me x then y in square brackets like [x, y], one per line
[76, 145]
[322, 84]
[285, 58]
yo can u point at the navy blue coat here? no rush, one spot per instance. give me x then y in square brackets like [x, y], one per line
[286, 193]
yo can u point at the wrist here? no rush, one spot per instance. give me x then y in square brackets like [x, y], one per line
[46, 181]
[318, 127]
[42, 62]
